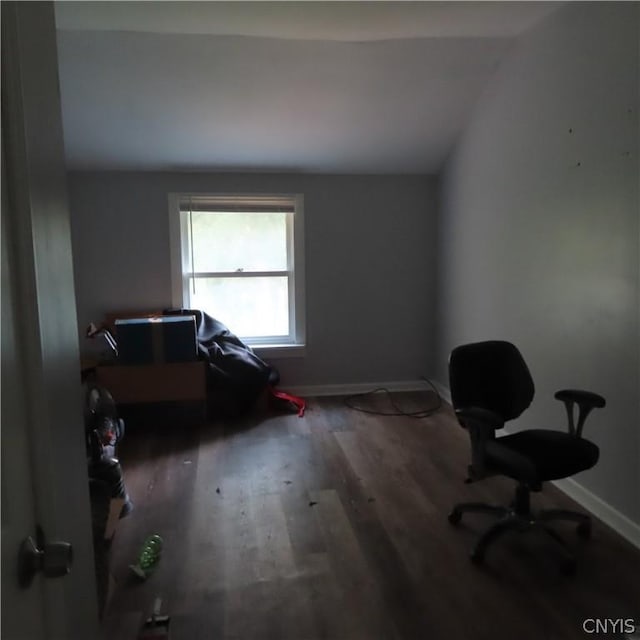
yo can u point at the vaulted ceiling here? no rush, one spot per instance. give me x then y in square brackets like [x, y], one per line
[325, 87]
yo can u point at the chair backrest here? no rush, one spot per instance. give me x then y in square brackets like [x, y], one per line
[492, 375]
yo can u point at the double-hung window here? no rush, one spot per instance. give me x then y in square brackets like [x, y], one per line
[239, 258]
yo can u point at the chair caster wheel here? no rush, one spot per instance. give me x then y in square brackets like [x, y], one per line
[454, 517]
[584, 530]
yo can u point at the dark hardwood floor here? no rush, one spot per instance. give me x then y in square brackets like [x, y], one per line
[335, 526]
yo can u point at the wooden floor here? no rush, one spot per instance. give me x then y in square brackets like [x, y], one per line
[335, 526]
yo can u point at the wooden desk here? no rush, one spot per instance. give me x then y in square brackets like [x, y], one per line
[177, 382]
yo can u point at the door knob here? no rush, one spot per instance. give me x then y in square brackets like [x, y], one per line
[54, 559]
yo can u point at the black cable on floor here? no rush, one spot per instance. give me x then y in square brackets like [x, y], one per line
[398, 411]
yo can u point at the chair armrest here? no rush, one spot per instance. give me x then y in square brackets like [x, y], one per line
[481, 425]
[581, 397]
[586, 401]
[479, 417]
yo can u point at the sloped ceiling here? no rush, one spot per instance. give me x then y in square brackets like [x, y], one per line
[324, 87]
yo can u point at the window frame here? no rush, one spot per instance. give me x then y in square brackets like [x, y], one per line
[291, 345]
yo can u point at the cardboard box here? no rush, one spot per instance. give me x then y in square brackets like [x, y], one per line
[162, 339]
[176, 382]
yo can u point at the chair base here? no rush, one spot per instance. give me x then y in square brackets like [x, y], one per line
[519, 517]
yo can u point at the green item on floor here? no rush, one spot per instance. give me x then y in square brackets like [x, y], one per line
[148, 558]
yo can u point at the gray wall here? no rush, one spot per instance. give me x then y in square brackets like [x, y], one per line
[538, 231]
[370, 262]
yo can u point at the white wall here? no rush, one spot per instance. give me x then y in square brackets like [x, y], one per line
[538, 231]
[370, 262]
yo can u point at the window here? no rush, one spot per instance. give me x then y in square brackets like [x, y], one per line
[240, 259]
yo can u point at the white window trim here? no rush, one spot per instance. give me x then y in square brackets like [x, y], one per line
[179, 252]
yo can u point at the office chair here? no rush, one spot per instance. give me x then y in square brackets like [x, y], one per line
[490, 384]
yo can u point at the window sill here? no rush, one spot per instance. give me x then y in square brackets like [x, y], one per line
[279, 350]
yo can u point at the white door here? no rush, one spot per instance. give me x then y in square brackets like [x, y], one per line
[20, 609]
[44, 472]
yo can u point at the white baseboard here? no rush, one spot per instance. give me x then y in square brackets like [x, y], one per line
[351, 389]
[626, 527]
[443, 390]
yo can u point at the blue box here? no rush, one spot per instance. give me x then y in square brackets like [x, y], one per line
[156, 340]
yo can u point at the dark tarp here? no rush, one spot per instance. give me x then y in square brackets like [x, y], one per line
[236, 376]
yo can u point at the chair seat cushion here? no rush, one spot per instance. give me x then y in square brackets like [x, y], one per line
[536, 455]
